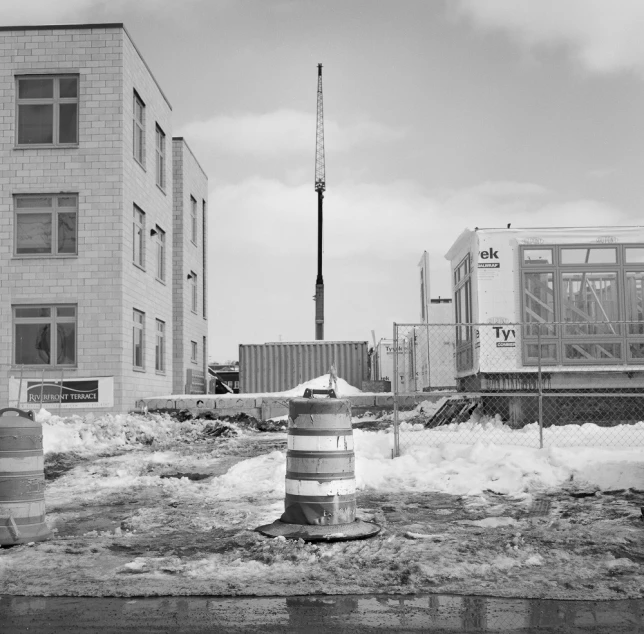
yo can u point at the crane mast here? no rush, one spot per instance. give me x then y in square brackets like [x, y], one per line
[320, 186]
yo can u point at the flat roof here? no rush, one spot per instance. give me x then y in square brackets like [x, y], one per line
[53, 27]
[103, 25]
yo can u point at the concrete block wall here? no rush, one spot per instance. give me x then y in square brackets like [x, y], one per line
[93, 170]
[142, 289]
[190, 182]
[102, 279]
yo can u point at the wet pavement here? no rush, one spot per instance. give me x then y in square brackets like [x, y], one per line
[317, 614]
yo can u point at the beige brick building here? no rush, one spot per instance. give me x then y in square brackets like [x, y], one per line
[102, 226]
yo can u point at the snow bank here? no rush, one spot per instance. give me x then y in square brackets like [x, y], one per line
[90, 434]
[453, 466]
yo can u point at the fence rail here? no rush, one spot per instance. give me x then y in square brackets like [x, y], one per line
[533, 384]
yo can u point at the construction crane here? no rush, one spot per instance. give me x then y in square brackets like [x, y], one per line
[320, 186]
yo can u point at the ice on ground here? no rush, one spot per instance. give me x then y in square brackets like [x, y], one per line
[129, 489]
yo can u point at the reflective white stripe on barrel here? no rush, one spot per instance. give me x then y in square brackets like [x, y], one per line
[321, 443]
[20, 465]
[314, 487]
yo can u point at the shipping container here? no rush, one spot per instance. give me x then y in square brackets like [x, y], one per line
[569, 299]
[280, 366]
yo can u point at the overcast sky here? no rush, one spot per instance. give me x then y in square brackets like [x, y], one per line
[439, 115]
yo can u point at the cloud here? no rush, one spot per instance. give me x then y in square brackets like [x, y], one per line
[283, 132]
[263, 251]
[391, 221]
[601, 172]
[33, 12]
[603, 35]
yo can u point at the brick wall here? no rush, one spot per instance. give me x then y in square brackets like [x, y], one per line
[102, 279]
[190, 181]
[142, 290]
[92, 170]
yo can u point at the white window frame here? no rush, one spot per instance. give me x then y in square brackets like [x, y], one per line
[463, 315]
[138, 328]
[138, 130]
[138, 237]
[161, 253]
[54, 210]
[194, 351]
[55, 101]
[159, 350]
[193, 220]
[52, 320]
[160, 156]
[558, 334]
[194, 294]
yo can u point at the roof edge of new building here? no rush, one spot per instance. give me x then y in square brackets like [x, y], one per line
[592, 231]
[53, 27]
[95, 25]
[180, 138]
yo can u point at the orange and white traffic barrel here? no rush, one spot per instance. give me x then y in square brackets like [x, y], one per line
[320, 499]
[22, 479]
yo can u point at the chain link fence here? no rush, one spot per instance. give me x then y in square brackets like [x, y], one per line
[530, 384]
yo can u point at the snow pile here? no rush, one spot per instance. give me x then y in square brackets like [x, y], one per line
[455, 469]
[322, 383]
[470, 469]
[454, 466]
[90, 434]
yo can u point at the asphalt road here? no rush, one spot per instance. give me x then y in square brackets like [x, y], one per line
[318, 614]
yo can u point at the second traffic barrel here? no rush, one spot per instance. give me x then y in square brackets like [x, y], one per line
[22, 479]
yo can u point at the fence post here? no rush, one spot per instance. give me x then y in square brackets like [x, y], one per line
[429, 362]
[540, 386]
[396, 431]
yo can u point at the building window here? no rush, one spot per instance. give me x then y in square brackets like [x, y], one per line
[193, 219]
[44, 335]
[46, 225]
[159, 351]
[193, 282]
[138, 339]
[47, 110]
[138, 233]
[160, 151]
[160, 240]
[138, 127]
[576, 299]
[463, 314]
[193, 351]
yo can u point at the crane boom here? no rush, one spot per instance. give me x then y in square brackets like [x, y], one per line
[320, 186]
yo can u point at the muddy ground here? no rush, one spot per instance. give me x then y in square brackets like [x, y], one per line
[151, 541]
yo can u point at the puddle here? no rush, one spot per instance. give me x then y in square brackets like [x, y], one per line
[345, 613]
[190, 476]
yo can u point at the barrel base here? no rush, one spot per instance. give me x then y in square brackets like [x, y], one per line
[318, 533]
[26, 533]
